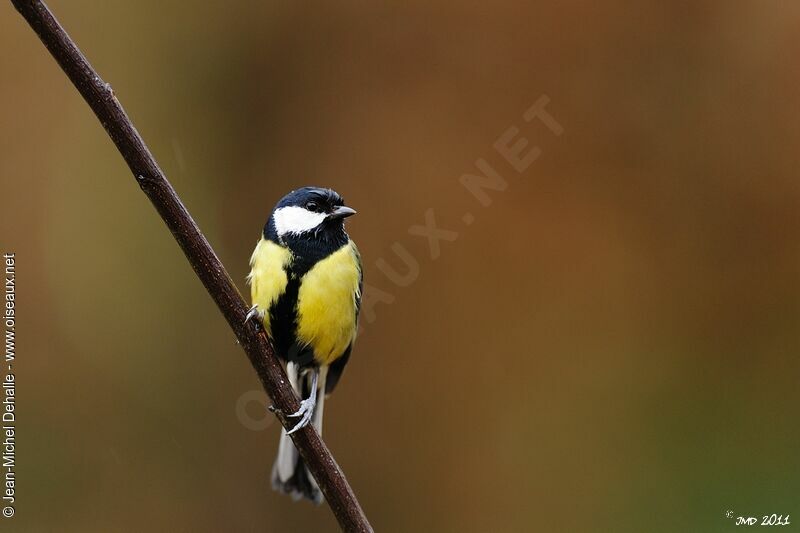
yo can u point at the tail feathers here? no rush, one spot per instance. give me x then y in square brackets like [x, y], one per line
[289, 473]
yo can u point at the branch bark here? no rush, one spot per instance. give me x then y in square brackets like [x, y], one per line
[201, 256]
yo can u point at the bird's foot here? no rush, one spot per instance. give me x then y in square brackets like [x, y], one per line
[306, 412]
[251, 314]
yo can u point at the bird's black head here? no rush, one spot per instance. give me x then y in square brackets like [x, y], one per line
[309, 220]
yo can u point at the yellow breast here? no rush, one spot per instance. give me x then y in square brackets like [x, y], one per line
[326, 304]
[267, 276]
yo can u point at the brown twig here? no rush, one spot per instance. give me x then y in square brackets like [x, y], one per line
[201, 256]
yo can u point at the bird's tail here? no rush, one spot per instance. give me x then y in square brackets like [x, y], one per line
[289, 473]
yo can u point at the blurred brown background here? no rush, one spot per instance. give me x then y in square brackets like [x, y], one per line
[611, 346]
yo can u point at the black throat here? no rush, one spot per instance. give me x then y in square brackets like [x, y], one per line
[309, 247]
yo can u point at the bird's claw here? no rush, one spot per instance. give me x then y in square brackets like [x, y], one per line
[251, 314]
[306, 412]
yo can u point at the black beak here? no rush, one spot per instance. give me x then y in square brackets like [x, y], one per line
[342, 212]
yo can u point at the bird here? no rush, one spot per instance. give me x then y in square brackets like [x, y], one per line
[305, 283]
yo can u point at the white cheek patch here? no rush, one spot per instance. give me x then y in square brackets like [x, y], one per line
[296, 219]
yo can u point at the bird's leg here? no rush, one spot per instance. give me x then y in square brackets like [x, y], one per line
[307, 406]
[251, 314]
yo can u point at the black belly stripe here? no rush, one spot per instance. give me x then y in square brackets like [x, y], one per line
[283, 321]
[307, 251]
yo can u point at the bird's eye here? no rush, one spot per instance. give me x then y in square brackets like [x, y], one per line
[312, 206]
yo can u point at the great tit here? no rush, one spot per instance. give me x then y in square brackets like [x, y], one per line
[305, 285]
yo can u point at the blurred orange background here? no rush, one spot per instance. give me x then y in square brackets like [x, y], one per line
[611, 345]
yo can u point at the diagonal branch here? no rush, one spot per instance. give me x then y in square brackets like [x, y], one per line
[201, 256]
